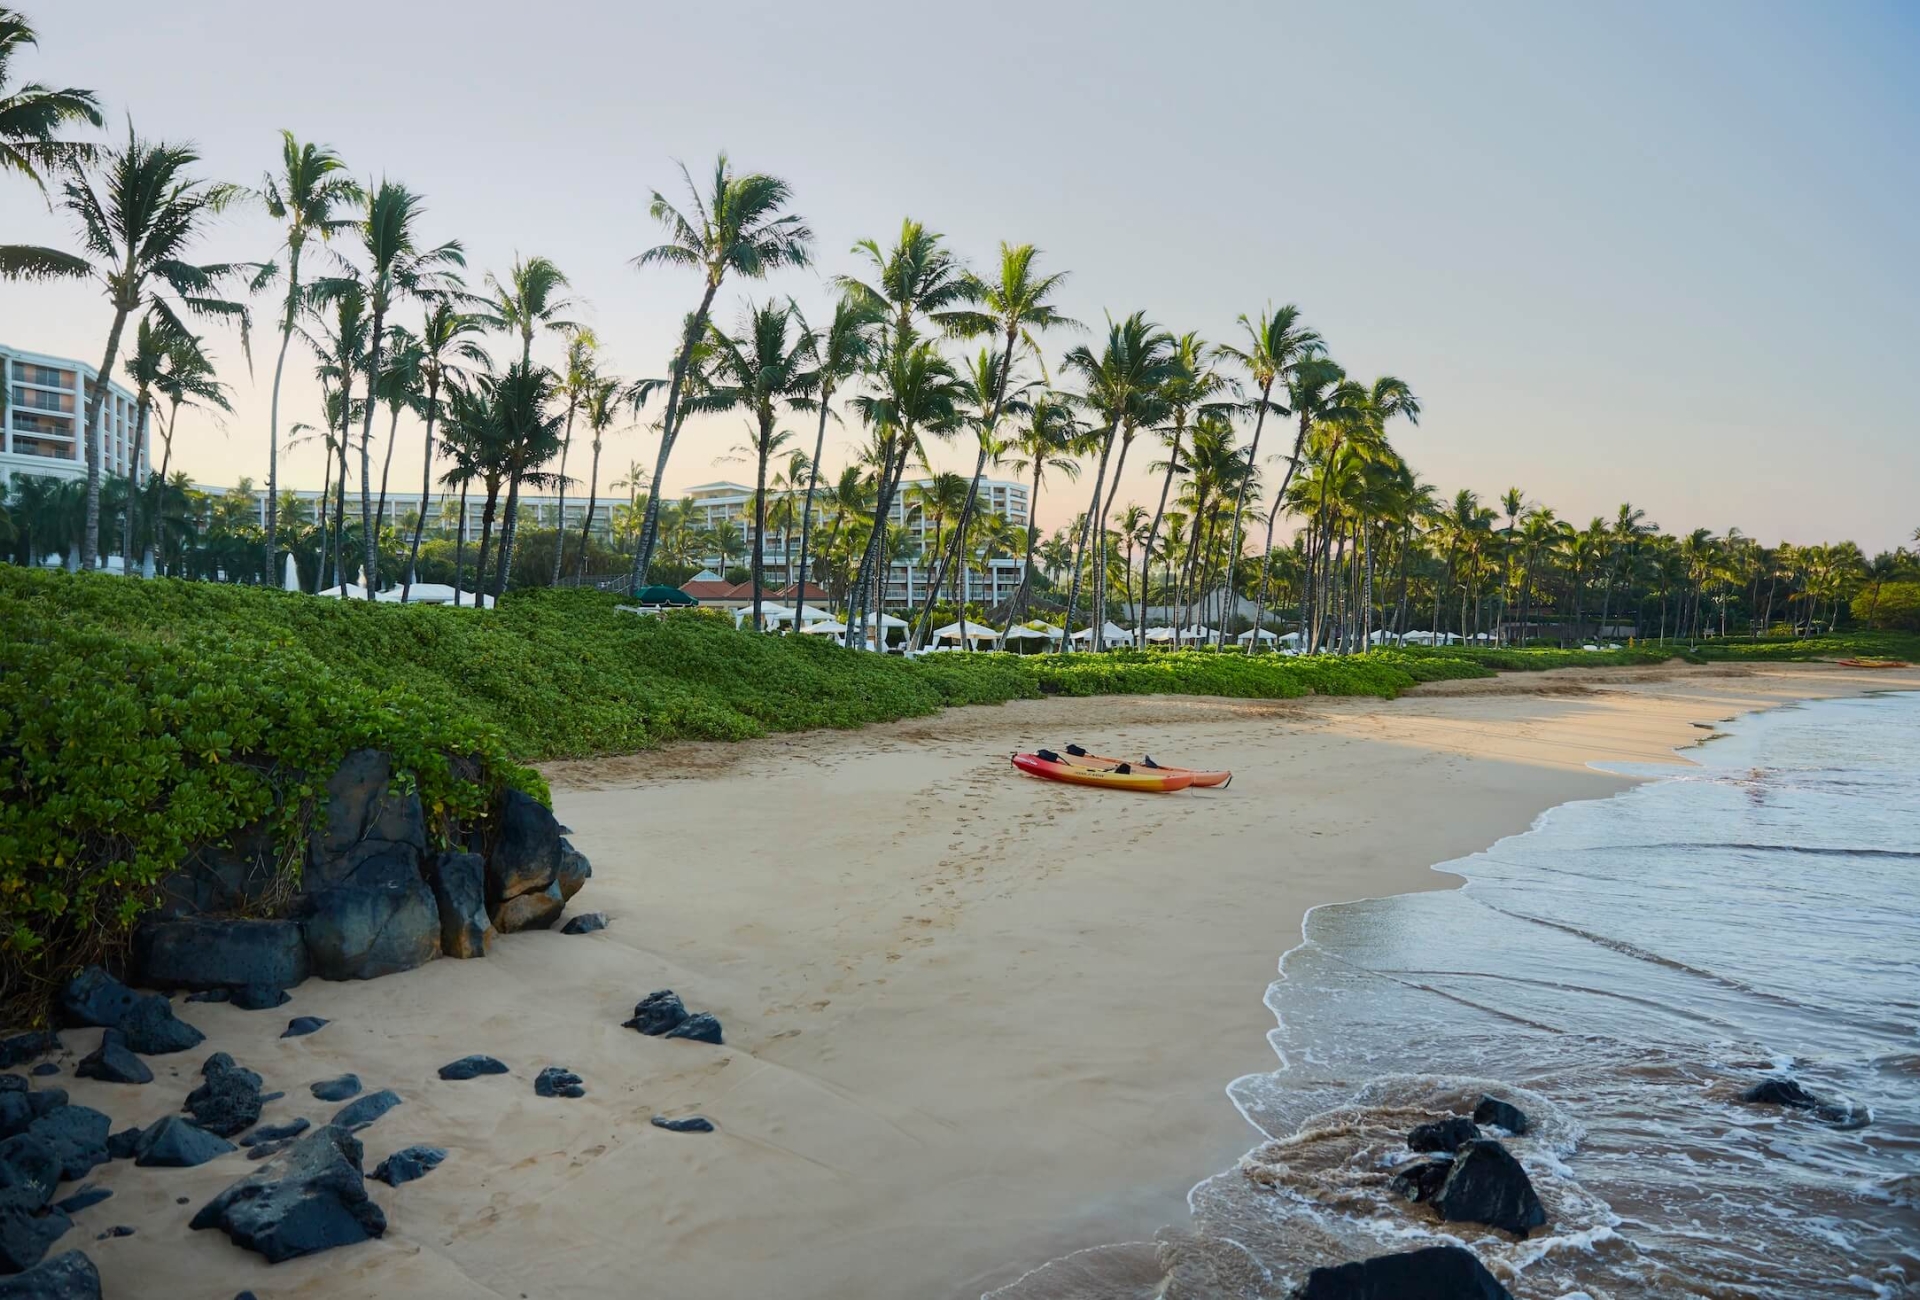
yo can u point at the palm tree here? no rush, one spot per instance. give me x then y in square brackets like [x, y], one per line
[312, 184]
[917, 392]
[341, 345]
[1276, 345]
[399, 266]
[136, 221]
[1012, 307]
[579, 379]
[31, 115]
[447, 343]
[599, 411]
[763, 371]
[838, 353]
[940, 500]
[916, 278]
[737, 227]
[1194, 390]
[1044, 441]
[401, 387]
[1124, 386]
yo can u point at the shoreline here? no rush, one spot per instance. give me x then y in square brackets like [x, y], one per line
[974, 1022]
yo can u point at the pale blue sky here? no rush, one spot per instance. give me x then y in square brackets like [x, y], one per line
[1660, 253]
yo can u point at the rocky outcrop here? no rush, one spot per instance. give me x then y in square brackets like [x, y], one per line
[237, 875]
[525, 855]
[113, 1062]
[1421, 1180]
[27, 1228]
[293, 1128]
[1494, 1113]
[658, 1013]
[174, 1143]
[1435, 1273]
[405, 1165]
[358, 1114]
[459, 882]
[1442, 1135]
[337, 1089]
[573, 870]
[94, 997]
[558, 1081]
[18, 1048]
[228, 1100]
[29, 1165]
[585, 923]
[201, 952]
[70, 1276]
[701, 1027]
[370, 833]
[533, 911]
[310, 1197]
[471, 1067]
[358, 933]
[77, 1136]
[1487, 1185]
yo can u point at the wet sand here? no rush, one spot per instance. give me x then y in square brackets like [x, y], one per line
[973, 1020]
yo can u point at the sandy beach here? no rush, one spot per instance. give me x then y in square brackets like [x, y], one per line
[974, 1021]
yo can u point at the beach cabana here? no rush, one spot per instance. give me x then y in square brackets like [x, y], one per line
[1160, 635]
[346, 591]
[1110, 634]
[1030, 632]
[1198, 634]
[975, 632]
[825, 627]
[1257, 634]
[780, 615]
[432, 593]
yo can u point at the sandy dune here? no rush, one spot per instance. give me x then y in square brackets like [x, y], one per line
[973, 1020]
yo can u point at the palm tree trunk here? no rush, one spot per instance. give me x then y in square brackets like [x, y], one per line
[90, 432]
[760, 516]
[133, 489]
[460, 548]
[1153, 531]
[871, 558]
[273, 406]
[806, 509]
[486, 540]
[340, 506]
[386, 470]
[326, 533]
[370, 543]
[1119, 466]
[940, 558]
[669, 430]
[1240, 498]
[560, 523]
[593, 501]
[1080, 551]
[1033, 536]
[426, 492]
[509, 529]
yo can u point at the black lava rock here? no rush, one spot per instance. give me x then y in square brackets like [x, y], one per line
[356, 933]
[1487, 1185]
[211, 995]
[293, 1128]
[228, 1101]
[151, 1028]
[69, 1276]
[113, 1062]
[525, 854]
[117, 1230]
[260, 997]
[691, 1124]
[1442, 1135]
[78, 1136]
[1780, 1092]
[459, 883]
[301, 1026]
[1495, 1113]
[409, 1164]
[537, 910]
[359, 1114]
[17, 1049]
[585, 923]
[13, 1083]
[312, 1197]
[339, 1089]
[124, 1144]
[44, 1101]
[175, 1143]
[29, 1164]
[700, 1027]
[1435, 1273]
[558, 1081]
[85, 1198]
[657, 1013]
[1421, 1180]
[471, 1067]
[45, 1070]
[264, 1150]
[16, 1112]
[94, 997]
[27, 1227]
[573, 871]
[203, 952]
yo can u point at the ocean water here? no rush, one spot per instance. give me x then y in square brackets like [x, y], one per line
[1622, 972]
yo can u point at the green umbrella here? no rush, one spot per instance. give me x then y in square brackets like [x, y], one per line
[663, 595]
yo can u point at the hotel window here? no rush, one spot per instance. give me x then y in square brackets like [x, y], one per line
[26, 446]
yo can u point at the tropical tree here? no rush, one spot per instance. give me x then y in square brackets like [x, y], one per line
[1045, 440]
[448, 344]
[136, 217]
[1124, 388]
[838, 352]
[763, 371]
[736, 227]
[579, 380]
[1194, 389]
[599, 411]
[32, 115]
[399, 266]
[311, 186]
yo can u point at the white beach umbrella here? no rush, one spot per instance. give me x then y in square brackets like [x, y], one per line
[350, 591]
[1252, 634]
[1026, 632]
[975, 632]
[292, 580]
[1160, 634]
[826, 627]
[1110, 634]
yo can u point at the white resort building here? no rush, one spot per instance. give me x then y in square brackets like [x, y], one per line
[45, 401]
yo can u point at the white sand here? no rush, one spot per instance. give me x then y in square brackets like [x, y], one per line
[973, 1020]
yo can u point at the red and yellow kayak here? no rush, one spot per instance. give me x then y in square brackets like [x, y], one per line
[1120, 776]
[1081, 758]
[1874, 663]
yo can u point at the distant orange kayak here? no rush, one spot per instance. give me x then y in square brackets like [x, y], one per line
[1050, 766]
[1874, 663]
[1080, 757]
